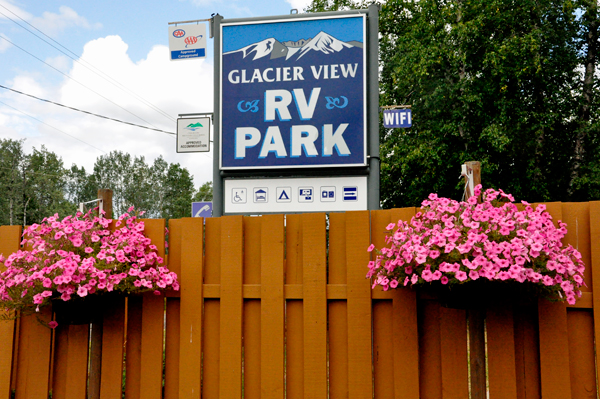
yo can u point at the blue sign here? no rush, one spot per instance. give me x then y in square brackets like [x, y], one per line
[293, 93]
[393, 118]
[202, 209]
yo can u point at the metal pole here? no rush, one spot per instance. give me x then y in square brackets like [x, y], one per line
[217, 178]
[373, 200]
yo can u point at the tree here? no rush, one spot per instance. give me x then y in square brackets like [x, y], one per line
[492, 82]
[179, 188]
[204, 193]
[11, 180]
[45, 187]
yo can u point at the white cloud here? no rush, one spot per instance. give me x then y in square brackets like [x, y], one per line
[52, 24]
[174, 87]
[13, 9]
[300, 5]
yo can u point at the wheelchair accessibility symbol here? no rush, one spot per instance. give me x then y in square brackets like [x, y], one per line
[238, 195]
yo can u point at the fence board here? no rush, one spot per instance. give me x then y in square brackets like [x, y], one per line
[61, 356]
[172, 349]
[134, 347]
[252, 308]
[405, 331]
[294, 344]
[338, 312]
[430, 359]
[454, 359]
[152, 346]
[554, 353]
[272, 308]
[191, 300]
[9, 243]
[113, 333]
[230, 368]
[577, 217]
[315, 305]
[501, 353]
[359, 306]
[77, 362]
[175, 244]
[211, 330]
[34, 357]
[384, 366]
[581, 352]
[383, 357]
[595, 268]
[527, 352]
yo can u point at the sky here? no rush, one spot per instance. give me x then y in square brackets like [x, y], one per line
[109, 58]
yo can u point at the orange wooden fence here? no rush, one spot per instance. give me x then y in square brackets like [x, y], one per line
[279, 307]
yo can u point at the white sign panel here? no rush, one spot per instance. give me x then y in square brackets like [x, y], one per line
[323, 194]
[193, 134]
[187, 41]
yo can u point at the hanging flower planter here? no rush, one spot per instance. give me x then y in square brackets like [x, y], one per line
[475, 254]
[77, 263]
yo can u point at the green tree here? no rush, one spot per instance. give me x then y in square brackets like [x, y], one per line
[204, 193]
[179, 189]
[11, 181]
[45, 187]
[493, 82]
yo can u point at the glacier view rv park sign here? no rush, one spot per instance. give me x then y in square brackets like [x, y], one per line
[293, 93]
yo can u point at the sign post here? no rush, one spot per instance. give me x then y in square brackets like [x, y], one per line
[296, 97]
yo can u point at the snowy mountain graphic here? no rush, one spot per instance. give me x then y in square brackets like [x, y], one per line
[322, 44]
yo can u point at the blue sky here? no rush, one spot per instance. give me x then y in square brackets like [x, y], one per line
[119, 67]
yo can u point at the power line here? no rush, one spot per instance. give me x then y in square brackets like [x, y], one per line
[83, 63]
[33, 117]
[85, 112]
[75, 80]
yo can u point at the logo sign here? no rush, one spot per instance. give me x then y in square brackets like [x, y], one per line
[187, 43]
[201, 209]
[393, 118]
[193, 134]
[293, 93]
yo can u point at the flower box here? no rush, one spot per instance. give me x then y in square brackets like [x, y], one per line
[455, 244]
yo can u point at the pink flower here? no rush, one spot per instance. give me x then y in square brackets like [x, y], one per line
[82, 291]
[53, 324]
[371, 248]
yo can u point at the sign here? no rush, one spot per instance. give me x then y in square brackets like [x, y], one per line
[201, 209]
[187, 41]
[293, 93]
[393, 118]
[324, 194]
[193, 134]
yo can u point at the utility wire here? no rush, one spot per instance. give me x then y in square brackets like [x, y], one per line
[33, 117]
[85, 112]
[75, 80]
[84, 63]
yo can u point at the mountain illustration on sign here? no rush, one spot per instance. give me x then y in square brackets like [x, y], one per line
[322, 43]
[193, 126]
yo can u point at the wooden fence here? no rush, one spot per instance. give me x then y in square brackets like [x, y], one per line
[279, 307]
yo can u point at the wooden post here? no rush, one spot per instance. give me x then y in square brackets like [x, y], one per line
[96, 340]
[476, 317]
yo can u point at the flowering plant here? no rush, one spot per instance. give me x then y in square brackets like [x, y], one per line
[77, 256]
[451, 242]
